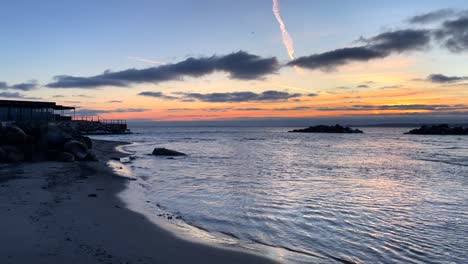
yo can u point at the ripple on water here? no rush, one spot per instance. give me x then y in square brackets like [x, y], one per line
[374, 198]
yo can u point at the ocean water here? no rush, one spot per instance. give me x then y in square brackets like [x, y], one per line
[378, 197]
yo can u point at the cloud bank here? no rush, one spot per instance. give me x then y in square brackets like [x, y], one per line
[26, 86]
[233, 97]
[379, 46]
[239, 65]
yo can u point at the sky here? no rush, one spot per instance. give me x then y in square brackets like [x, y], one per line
[210, 60]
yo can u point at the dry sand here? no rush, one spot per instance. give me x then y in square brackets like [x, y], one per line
[69, 213]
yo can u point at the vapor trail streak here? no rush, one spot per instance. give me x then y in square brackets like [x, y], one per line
[287, 40]
[144, 60]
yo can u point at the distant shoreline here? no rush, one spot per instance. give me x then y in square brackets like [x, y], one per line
[69, 213]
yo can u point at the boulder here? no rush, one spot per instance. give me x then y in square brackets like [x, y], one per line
[167, 152]
[77, 148]
[327, 129]
[56, 137]
[3, 155]
[91, 156]
[13, 154]
[87, 141]
[14, 135]
[65, 157]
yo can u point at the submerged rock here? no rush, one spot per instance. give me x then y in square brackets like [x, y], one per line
[327, 129]
[167, 152]
[439, 130]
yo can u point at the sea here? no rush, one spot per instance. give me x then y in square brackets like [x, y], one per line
[377, 197]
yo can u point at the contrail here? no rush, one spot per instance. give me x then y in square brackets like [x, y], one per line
[144, 60]
[287, 40]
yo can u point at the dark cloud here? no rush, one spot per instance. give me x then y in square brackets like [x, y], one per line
[297, 108]
[83, 96]
[158, 95]
[180, 109]
[27, 86]
[240, 65]
[115, 101]
[440, 78]
[379, 46]
[250, 109]
[441, 107]
[226, 109]
[58, 96]
[433, 16]
[16, 95]
[391, 87]
[330, 60]
[233, 97]
[399, 41]
[312, 95]
[93, 112]
[236, 97]
[363, 86]
[454, 34]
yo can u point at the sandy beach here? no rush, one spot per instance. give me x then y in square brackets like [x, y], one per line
[69, 213]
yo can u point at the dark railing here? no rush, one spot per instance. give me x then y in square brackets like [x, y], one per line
[100, 120]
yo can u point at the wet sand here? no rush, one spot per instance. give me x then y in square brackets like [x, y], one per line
[69, 213]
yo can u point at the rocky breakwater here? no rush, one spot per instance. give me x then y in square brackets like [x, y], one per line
[36, 142]
[439, 130]
[327, 129]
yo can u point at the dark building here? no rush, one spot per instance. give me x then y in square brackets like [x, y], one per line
[11, 110]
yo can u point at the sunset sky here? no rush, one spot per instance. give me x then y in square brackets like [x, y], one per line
[207, 59]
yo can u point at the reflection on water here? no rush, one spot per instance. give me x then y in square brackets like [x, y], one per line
[378, 197]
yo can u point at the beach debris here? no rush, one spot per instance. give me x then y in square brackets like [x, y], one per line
[440, 130]
[125, 160]
[167, 152]
[327, 129]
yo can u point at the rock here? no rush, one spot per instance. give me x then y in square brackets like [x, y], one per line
[13, 154]
[167, 152]
[65, 157]
[56, 137]
[77, 148]
[14, 135]
[52, 154]
[87, 141]
[91, 156]
[327, 129]
[439, 130]
[3, 154]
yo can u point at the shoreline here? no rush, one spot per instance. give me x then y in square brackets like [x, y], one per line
[70, 213]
